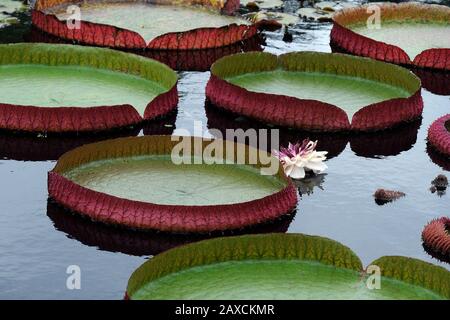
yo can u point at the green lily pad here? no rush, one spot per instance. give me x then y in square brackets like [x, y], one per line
[351, 93]
[158, 180]
[283, 266]
[165, 183]
[70, 86]
[149, 20]
[426, 35]
[410, 26]
[72, 76]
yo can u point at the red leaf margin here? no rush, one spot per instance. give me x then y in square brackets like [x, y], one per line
[110, 36]
[439, 136]
[80, 119]
[435, 236]
[132, 214]
[307, 114]
[354, 43]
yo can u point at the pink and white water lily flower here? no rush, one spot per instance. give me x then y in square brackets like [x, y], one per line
[299, 158]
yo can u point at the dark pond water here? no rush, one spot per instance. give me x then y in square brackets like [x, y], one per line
[38, 241]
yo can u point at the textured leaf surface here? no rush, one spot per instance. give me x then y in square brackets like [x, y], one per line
[280, 266]
[258, 247]
[436, 236]
[416, 272]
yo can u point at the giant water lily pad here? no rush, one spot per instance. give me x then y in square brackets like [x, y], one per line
[134, 182]
[407, 33]
[138, 24]
[72, 88]
[287, 266]
[315, 91]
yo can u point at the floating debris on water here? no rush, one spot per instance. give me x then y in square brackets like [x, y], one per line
[383, 196]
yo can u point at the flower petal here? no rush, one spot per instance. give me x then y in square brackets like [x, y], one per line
[297, 173]
[316, 166]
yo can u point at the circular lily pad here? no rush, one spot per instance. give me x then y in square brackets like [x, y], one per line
[315, 91]
[439, 135]
[177, 25]
[72, 89]
[436, 238]
[286, 266]
[134, 182]
[406, 33]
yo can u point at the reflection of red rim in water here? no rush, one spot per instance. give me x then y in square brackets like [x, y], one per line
[343, 37]
[310, 114]
[177, 218]
[438, 158]
[180, 60]
[436, 237]
[111, 36]
[33, 118]
[437, 82]
[384, 143]
[140, 243]
[29, 147]
[439, 135]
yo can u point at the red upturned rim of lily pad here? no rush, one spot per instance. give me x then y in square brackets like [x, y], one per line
[439, 135]
[343, 37]
[175, 218]
[111, 36]
[309, 114]
[30, 118]
[436, 236]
